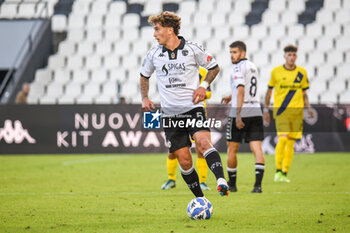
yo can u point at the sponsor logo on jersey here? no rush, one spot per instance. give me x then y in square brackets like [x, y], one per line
[209, 58]
[161, 55]
[173, 66]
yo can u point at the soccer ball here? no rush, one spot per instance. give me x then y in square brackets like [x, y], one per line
[199, 208]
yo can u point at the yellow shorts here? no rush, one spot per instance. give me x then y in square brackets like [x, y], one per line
[290, 125]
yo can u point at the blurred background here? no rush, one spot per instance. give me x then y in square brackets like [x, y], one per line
[90, 52]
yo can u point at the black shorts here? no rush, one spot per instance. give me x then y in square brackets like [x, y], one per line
[253, 130]
[178, 129]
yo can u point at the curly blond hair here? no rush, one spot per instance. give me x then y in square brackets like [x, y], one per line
[166, 19]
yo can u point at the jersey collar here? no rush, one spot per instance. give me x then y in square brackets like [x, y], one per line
[173, 54]
[289, 69]
[240, 61]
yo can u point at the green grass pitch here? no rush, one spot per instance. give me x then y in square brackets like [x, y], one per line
[121, 193]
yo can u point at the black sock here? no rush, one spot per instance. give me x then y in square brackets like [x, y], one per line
[214, 162]
[284, 173]
[278, 170]
[232, 175]
[259, 173]
[191, 178]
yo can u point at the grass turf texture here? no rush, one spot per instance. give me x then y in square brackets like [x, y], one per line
[121, 193]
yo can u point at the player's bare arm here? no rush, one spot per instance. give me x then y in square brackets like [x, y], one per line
[307, 104]
[267, 104]
[147, 104]
[226, 99]
[240, 99]
[200, 93]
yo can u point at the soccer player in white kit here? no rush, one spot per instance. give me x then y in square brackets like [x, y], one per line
[176, 63]
[245, 119]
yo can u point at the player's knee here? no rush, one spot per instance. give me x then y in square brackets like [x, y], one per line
[203, 144]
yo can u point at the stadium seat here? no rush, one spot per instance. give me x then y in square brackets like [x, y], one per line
[314, 30]
[56, 61]
[111, 61]
[295, 31]
[76, 35]
[104, 48]
[258, 31]
[316, 57]
[342, 43]
[81, 7]
[75, 62]
[99, 76]
[329, 97]
[241, 32]
[218, 19]
[332, 4]
[131, 20]
[334, 57]
[94, 34]
[325, 44]
[200, 19]
[118, 73]
[269, 44]
[325, 16]
[43, 76]
[93, 61]
[306, 44]
[187, 7]
[236, 19]
[152, 7]
[122, 47]
[277, 5]
[260, 58]
[59, 23]
[85, 48]
[99, 7]
[222, 33]
[94, 21]
[344, 98]
[76, 21]
[289, 18]
[80, 76]
[117, 8]
[130, 34]
[26, 10]
[332, 30]
[223, 6]
[270, 17]
[8, 11]
[296, 6]
[342, 16]
[112, 34]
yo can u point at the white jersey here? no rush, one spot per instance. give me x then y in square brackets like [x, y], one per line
[245, 74]
[177, 74]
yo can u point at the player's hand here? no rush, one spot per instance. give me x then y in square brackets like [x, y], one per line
[239, 122]
[267, 117]
[310, 112]
[147, 105]
[199, 95]
[226, 99]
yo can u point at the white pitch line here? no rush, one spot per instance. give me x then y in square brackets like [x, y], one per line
[92, 160]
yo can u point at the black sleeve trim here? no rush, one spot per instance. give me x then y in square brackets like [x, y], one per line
[270, 87]
[305, 88]
[144, 76]
[214, 67]
[240, 85]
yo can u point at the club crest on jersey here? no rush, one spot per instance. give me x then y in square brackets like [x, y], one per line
[185, 52]
[172, 55]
